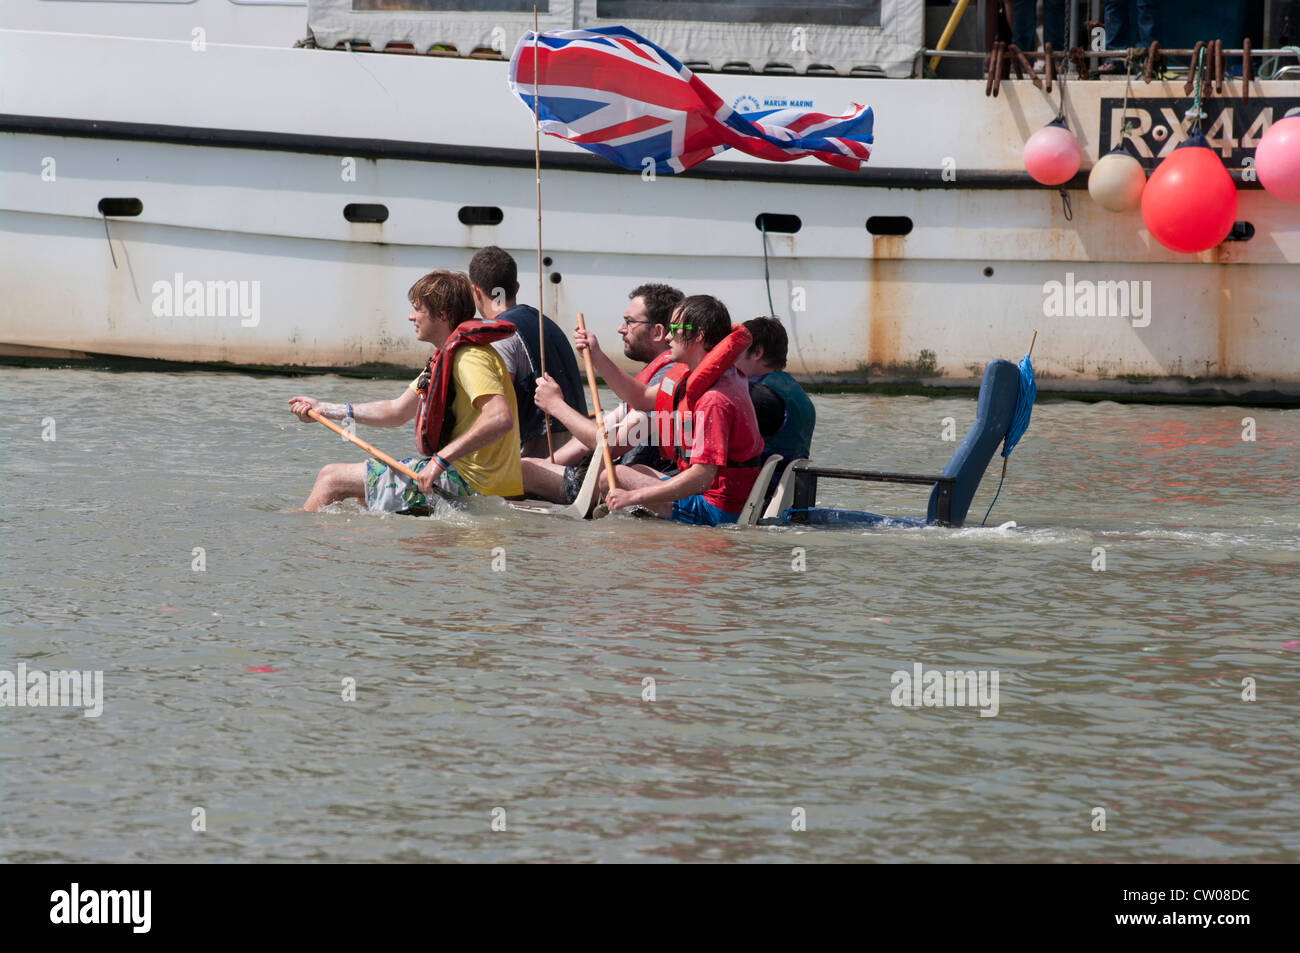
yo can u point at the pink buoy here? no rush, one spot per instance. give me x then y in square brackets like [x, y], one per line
[1190, 201]
[1052, 154]
[1277, 159]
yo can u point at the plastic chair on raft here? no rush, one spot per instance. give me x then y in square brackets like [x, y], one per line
[953, 489]
[754, 502]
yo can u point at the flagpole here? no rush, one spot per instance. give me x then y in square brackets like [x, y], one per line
[537, 167]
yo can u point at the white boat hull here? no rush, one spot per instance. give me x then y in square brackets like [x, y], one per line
[250, 205]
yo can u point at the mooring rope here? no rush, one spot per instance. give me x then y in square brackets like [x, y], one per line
[1128, 89]
[995, 495]
[1276, 62]
[1197, 112]
[762, 224]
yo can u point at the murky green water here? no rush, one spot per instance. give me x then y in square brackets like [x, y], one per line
[523, 689]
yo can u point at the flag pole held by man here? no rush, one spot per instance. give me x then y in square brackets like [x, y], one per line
[645, 333]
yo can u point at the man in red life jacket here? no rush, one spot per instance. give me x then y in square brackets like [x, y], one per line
[463, 404]
[717, 447]
[645, 339]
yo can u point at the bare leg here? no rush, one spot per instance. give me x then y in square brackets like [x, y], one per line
[543, 478]
[634, 478]
[337, 481]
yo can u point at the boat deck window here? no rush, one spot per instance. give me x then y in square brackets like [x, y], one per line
[455, 6]
[249, 3]
[842, 13]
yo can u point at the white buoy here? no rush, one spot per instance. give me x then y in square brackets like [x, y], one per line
[1116, 181]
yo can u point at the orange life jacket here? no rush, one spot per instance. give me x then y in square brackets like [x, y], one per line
[643, 376]
[681, 387]
[434, 420]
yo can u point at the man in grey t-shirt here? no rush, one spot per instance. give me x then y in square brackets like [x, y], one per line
[515, 355]
[494, 279]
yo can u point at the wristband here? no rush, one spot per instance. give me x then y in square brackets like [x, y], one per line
[349, 407]
[441, 462]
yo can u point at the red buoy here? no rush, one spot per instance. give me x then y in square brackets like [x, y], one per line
[1190, 201]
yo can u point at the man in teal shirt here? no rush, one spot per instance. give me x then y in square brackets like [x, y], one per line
[785, 413]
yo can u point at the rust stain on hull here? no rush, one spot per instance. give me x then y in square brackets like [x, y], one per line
[883, 307]
[1229, 319]
[1223, 322]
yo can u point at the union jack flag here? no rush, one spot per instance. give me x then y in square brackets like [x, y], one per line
[618, 95]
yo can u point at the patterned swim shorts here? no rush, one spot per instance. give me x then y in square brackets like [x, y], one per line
[390, 491]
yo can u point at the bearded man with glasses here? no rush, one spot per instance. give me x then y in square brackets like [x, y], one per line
[645, 333]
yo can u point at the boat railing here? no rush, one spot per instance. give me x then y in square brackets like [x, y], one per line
[1002, 60]
[1104, 54]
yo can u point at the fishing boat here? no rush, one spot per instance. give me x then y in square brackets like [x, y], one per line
[255, 184]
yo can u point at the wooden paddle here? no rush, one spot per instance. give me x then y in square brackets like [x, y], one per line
[600, 416]
[375, 452]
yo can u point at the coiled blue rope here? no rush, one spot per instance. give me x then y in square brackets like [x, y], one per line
[1019, 421]
[1024, 407]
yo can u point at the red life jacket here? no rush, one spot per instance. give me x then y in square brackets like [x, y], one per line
[434, 420]
[681, 387]
[650, 370]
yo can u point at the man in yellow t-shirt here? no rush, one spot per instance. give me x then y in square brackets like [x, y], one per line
[492, 470]
[482, 454]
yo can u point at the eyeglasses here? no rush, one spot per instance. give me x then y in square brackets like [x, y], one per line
[674, 328]
[630, 321]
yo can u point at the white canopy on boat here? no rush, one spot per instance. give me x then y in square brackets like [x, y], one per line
[844, 37]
